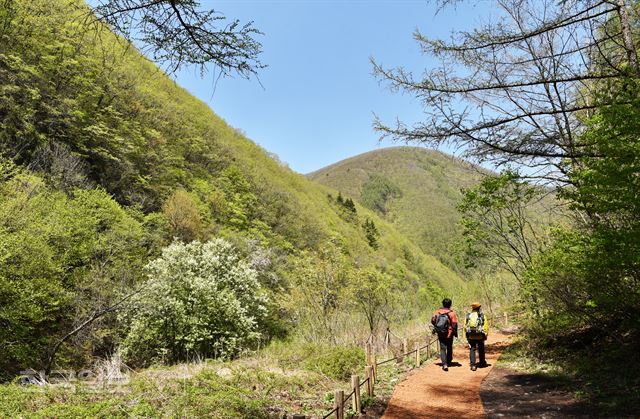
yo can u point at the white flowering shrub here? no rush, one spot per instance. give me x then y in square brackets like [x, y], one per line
[201, 299]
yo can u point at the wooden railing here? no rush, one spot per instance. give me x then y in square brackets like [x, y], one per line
[341, 400]
[367, 385]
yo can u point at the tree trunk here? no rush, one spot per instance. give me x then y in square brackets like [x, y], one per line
[627, 35]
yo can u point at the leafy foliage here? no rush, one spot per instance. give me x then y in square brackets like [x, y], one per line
[377, 191]
[346, 206]
[599, 257]
[61, 257]
[496, 223]
[183, 216]
[374, 294]
[371, 232]
[319, 285]
[201, 299]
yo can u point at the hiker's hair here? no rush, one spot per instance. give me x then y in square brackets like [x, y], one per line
[446, 303]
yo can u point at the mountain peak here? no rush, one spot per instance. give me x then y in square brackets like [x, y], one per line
[415, 188]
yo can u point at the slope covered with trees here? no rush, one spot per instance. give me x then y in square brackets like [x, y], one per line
[108, 170]
[415, 189]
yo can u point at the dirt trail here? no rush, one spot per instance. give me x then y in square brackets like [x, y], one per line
[433, 393]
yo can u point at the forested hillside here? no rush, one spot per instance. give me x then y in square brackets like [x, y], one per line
[415, 189]
[420, 191]
[133, 218]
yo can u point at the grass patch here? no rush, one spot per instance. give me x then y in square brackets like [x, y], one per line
[336, 362]
[285, 379]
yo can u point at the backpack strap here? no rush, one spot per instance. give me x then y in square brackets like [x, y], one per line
[449, 316]
[446, 312]
[480, 319]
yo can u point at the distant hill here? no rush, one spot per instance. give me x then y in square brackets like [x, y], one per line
[415, 189]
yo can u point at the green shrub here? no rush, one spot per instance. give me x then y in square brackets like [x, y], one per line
[200, 299]
[61, 257]
[337, 362]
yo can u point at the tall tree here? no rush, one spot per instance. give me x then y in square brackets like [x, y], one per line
[515, 91]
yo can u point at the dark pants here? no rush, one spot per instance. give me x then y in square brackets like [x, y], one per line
[446, 350]
[472, 351]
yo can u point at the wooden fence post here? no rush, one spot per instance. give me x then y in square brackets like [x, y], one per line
[506, 319]
[368, 374]
[404, 348]
[429, 347]
[367, 353]
[339, 404]
[355, 385]
[374, 366]
[417, 354]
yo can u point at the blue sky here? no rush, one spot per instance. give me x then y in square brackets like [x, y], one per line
[319, 96]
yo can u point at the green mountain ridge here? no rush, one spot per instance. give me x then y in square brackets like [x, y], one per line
[413, 188]
[109, 161]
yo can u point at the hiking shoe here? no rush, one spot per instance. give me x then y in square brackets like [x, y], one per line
[473, 368]
[483, 365]
[445, 367]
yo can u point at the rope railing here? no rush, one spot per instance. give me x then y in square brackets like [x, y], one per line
[390, 333]
[348, 396]
[405, 354]
[371, 373]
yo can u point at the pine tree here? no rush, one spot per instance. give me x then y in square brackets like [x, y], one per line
[348, 204]
[371, 233]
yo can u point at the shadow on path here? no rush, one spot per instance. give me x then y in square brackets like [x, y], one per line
[511, 394]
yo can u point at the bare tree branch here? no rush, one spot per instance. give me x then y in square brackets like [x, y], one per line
[177, 33]
[518, 91]
[93, 317]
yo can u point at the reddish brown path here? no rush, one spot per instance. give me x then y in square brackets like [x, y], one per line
[433, 393]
